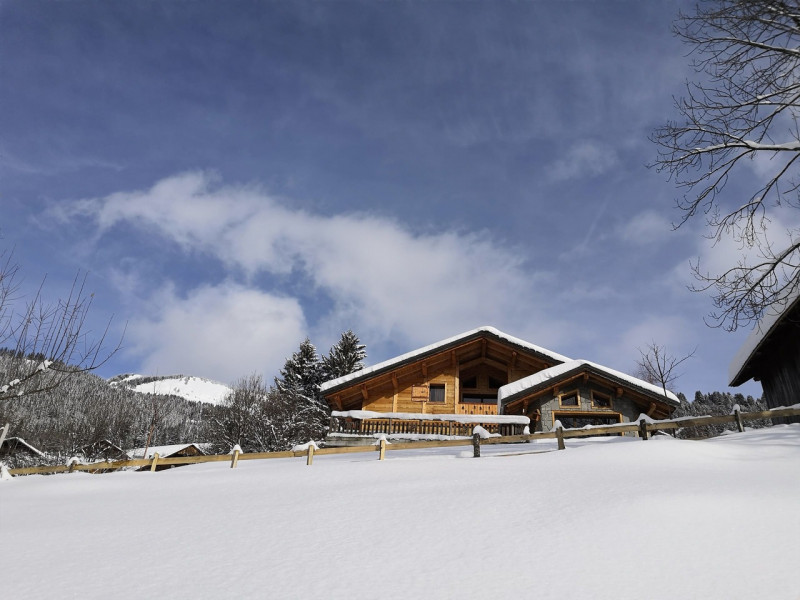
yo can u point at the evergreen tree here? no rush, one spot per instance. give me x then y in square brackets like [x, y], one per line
[345, 357]
[298, 388]
[302, 372]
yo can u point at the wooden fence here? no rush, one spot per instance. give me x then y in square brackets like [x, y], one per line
[643, 428]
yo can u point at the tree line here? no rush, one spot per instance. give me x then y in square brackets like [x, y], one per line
[83, 408]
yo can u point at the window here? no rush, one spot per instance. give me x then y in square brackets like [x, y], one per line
[495, 384]
[478, 399]
[569, 399]
[600, 400]
[436, 393]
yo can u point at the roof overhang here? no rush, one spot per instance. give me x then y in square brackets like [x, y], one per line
[548, 378]
[740, 369]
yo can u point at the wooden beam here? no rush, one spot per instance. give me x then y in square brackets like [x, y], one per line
[483, 348]
[586, 378]
[337, 400]
[452, 358]
[425, 370]
[364, 393]
[619, 392]
[651, 409]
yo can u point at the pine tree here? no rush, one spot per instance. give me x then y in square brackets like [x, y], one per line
[345, 357]
[298, 387]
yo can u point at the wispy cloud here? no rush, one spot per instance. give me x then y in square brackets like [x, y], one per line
[584, 159]
[389, 281]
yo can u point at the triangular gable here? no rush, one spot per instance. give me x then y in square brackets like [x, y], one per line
[554, 375]
[486, 332]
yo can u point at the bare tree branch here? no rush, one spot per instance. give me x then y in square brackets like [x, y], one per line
[44, 343]
[745, 106]
[658, 367]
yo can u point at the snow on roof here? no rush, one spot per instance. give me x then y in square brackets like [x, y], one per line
[460, 418]
[765, 326]
[18, 440]
[163, 451]
[333, 383]
[541, 377]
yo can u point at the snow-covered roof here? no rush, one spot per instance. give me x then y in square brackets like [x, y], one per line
[460, 418]
[767, 324]
[562, 370]
[438, 346]
[18, 441]
[163, 451]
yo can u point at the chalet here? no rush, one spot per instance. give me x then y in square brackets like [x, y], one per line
[487, 377]
[102, 450]
[771, 355]
[173, 450]
[19, 453]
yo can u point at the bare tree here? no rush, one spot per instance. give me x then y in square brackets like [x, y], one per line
[658, 367]
[743, 109]
[44, 343]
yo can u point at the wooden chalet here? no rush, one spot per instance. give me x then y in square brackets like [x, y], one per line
[102, 450]
[771, 355]
[19, 453]
[486, 373]
[173, 450]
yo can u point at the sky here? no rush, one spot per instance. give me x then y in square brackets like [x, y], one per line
[237, 176]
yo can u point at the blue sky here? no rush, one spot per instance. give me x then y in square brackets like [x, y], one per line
[236, 176]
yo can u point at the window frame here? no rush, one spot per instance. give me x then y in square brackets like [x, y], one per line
[438, 386]
[577, 395]
[609, 406]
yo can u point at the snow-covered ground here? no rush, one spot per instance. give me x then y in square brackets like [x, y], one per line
[614, 518]
[196, 389]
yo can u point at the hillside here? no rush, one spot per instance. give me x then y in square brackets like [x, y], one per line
[195, 389]
[612, 518]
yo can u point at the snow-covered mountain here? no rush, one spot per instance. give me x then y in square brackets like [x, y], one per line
[196, 389]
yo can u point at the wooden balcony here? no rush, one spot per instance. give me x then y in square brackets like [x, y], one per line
[466, 408]
[348, 425]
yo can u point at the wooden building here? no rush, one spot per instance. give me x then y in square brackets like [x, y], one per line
[173, 450]
[102, 450]
[16, 452]
[771, 355]
[486, 372]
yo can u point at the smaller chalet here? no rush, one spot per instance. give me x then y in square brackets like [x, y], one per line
[487, 377]
[771, 355]
[19, 453]
[102, 450]
[173, 450]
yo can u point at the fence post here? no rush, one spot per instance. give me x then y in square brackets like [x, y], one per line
[235, 458]
[382, 449]
[643, 429]
[560, 437]
[310, 458]
[739, 423]
[476, 445]
[154, 463]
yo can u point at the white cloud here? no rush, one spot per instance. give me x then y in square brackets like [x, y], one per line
[222, 332]
[646, 228]
[383, 279]
[584, 159]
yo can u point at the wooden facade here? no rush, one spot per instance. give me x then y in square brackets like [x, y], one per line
[771, 355]
[461, 377]
[465, 375]
[587, 395]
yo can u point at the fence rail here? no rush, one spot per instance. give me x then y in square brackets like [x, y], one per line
[642, 427]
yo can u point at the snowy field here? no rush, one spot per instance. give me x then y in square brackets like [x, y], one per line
[615, 518]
